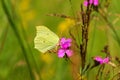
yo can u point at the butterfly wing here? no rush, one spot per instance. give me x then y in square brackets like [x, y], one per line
[45, 39]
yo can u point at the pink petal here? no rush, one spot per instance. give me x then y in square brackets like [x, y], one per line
[106, 60]
[68, 40]
[102, 61]
[62, 41]
[85, 3]
[96, 2]
[61, 53]
[99, 59]
[69, 52]
[91, 1]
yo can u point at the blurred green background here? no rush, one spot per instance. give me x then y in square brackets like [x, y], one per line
[18, 58]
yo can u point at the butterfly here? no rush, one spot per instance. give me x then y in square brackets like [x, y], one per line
[45, 39]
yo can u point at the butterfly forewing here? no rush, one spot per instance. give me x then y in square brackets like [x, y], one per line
[45, 39]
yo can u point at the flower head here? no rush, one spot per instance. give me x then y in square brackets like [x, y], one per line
[64, 47]
[86, 2]
[94, 2]
[101, 60]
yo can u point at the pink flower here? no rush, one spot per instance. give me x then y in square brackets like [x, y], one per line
[101, 60]
[85, 3]
[94, 2]
[62, 52]
[64, 47]
[65, 43]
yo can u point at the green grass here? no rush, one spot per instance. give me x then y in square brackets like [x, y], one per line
[18, 58]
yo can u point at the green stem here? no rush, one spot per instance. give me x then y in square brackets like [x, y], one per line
[20, 40]
[4, 36]
[101, 12]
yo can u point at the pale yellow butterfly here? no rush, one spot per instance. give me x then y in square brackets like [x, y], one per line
[45, 39]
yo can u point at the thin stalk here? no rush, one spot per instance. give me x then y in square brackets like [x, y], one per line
[20, 40]
[85, 28]
[25, 37]
[4, 39]
[109, 24]
[72, 8]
